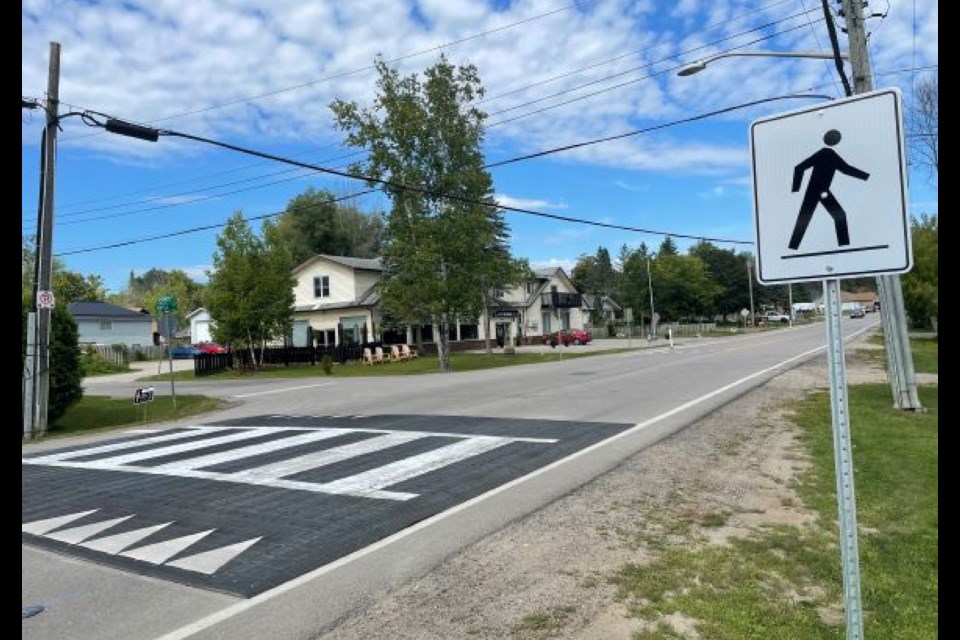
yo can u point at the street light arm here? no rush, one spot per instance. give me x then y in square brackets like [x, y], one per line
[700, 65]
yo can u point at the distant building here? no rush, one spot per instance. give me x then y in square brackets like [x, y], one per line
[105, 323]
[200, 325]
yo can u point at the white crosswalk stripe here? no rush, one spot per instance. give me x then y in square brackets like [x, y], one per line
[195, 457]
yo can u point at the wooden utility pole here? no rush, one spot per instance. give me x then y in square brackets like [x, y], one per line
[44, 278]
[903, 377]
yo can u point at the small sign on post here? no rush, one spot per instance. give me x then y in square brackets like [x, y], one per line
[45, 300]
[143, 395]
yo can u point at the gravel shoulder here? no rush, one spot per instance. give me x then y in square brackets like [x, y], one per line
[547, 575]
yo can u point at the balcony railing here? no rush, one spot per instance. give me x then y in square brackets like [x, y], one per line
[557, 300]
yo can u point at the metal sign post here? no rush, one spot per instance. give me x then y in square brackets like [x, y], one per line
[830, 202]
[166, 305]
[843, 461]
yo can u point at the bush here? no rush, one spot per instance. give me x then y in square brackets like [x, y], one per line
[66, 375]
[326, 363]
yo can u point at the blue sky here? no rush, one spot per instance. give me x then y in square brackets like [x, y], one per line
[262, 74]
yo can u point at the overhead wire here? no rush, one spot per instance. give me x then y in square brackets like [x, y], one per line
[391, 184]
[686, 52]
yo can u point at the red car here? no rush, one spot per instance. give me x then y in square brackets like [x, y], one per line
[209, 347]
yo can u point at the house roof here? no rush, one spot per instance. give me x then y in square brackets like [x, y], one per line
[591, 301]
[369, 298]
[105, 310]
[196, 312]
[364, 264]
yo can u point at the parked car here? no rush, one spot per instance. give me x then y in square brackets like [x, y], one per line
[580, 336]
[858, 312]
[773, 316]
[184, 351]
[210, 347]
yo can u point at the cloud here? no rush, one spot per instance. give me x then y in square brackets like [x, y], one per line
[527, 203]
[577, 71]
[566, 264]
[715, 192]
[198, 272]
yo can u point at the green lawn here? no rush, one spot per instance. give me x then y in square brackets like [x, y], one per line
[421, 365]
[926, 353]
[98, 412]
[784, 582]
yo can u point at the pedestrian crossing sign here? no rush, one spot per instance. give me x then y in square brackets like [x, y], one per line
[830, 190]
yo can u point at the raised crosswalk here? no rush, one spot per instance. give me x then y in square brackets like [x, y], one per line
[195, 452]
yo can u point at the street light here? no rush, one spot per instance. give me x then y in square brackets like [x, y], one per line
[700, 65]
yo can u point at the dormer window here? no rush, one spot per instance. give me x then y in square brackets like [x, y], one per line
[321, 287]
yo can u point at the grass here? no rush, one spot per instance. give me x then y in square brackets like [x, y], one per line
[926, 353]
[101, 412]
[542, 624]
[785, 582]
[94, 365]
[424, 364]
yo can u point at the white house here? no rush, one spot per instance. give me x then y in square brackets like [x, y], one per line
[200, 325]
[105, 323]
[336, 302]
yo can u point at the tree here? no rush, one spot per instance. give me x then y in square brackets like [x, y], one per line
[668, 247]
[595, 275]
[311, 225]
[924, 126]
[445, 240]
[921, 285]
[251, 290]
[144, 290]
[728, 271]
[66, 374]
[70, 286]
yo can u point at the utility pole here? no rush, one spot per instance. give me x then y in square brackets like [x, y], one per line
[44, 276]
[903, 377]
[653, 327]
[753, 318]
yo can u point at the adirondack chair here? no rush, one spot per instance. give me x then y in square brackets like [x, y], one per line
[395, 354]
[378, 355]
[407, 352]
[367, 356]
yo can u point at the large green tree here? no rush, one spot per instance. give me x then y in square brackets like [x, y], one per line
[443, 230]
[68, 286]
[250, 293]
[143, 291]
[314, 223]
[921, 286]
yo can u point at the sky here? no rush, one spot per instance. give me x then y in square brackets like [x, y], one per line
[263, 74]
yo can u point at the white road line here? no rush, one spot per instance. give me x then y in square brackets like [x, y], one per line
[40, 527]
[120, 446]
[284, 390]
[162, 551]
[228, 612]
[221, 457]
[414, 466]
[127, 458]
[116, 543]
[77, 535]
[437, 434]
[317, 459]
[210, 561]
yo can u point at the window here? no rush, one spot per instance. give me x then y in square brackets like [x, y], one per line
[545, 317]
[106, 325]
[565, 320]
[469, 332]
[321, 287]
[531, 286]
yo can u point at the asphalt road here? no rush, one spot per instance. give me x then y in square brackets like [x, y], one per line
[308, 496]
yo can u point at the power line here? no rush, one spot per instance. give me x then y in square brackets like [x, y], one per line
[688, 51]
[692, 50]
[400, 186]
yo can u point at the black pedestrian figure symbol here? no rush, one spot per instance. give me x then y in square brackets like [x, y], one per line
[824, 164]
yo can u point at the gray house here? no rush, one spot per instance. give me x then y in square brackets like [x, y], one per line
[105, 323]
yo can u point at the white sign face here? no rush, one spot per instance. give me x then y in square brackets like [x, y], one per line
[45, 300]
[830, 194]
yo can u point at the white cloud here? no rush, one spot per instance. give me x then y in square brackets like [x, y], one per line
[527, 203]
[198, 272]
[566, 264]
[160, 60]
